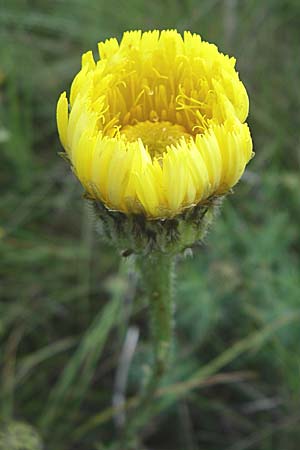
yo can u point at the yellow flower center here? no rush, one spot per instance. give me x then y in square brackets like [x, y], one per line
[156, 136]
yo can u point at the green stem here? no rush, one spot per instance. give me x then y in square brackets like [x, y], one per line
[156, 279]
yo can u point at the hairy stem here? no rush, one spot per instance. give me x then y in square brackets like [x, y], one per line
[156, 274]
[156, 278]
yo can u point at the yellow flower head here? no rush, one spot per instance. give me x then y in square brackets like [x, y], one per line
[156, 125]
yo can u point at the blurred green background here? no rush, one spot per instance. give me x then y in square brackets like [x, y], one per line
[66, 302]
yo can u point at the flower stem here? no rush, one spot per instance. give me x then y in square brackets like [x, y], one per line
[156, 277]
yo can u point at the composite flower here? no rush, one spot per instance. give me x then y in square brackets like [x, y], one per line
[156, 125]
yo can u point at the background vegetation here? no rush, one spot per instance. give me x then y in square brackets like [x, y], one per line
[65, 303]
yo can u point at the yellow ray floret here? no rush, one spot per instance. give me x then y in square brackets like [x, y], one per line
[156, 125]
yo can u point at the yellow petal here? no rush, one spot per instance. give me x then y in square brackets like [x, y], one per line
[62, 118]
